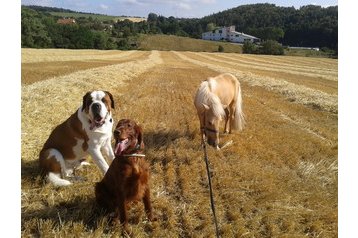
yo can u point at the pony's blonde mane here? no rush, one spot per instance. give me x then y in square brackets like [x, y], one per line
[205, 96]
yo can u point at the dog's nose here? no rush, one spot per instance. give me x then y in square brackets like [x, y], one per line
[96, 107]
[116, 133]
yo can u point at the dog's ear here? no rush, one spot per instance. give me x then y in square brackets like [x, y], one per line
[139, 132]
[111, 97]
[88, 94]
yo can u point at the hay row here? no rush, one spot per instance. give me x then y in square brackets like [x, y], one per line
[278, 67]
[268, 67]
[304, 125]
[298, 93]
[50, 55]
[297, 60]
[317, 83]
[287, 60]
[47, 103]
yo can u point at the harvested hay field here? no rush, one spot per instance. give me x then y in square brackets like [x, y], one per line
[278, 178]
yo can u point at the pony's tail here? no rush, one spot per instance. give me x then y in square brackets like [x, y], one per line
[239, 119]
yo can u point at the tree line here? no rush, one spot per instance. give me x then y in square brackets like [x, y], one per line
[311, 26]
[40, 30]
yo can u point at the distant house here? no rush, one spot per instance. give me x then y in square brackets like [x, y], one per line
[228, 34]
[66, 21]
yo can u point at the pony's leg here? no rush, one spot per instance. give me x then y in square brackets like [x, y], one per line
[227, 111]
[202, 123]
[232, 115]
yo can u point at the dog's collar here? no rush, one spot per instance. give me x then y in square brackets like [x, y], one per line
[133, 155]
[135, 149]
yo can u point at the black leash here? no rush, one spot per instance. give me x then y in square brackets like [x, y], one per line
[210, 187]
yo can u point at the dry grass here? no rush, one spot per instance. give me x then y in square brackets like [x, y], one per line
[329, 74]
[49, 55]
[294, 91]
[133, 19]
[38, 71]
[278, 178]
[293, 72]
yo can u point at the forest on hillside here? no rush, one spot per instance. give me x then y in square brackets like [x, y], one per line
[309, 26]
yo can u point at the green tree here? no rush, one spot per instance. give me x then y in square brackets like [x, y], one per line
[249, 48]
[271, 47]
[100, 41]
[210, 26]
[123, 44]
[33, 31]
[267, 33]
[152, 17]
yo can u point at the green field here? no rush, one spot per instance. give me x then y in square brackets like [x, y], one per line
[178, 43]
[98, 16]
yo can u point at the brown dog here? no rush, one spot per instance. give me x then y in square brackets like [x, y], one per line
[127, 178]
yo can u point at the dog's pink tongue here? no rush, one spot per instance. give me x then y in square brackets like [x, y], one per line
[96, 123]
[121, 146]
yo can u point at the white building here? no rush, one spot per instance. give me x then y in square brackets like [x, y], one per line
[228, 34]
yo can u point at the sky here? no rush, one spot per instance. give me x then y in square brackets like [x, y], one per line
[176, 8]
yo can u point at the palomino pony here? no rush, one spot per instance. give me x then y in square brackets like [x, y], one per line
[218, 98]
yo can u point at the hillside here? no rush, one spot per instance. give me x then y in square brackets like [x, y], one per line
[97, 16]
[60, 12]
[178, 43]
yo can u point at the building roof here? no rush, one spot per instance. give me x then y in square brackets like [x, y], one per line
[241, 33]
[235, 32]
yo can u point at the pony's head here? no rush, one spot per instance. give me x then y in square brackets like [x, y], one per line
[211, 125]
[210, 111]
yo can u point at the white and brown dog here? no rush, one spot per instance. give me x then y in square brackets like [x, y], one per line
[86, 132]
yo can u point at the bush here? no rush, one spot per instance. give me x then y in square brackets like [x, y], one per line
[221, 48]
[249, 48]
[271, 47]
[123, 44]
